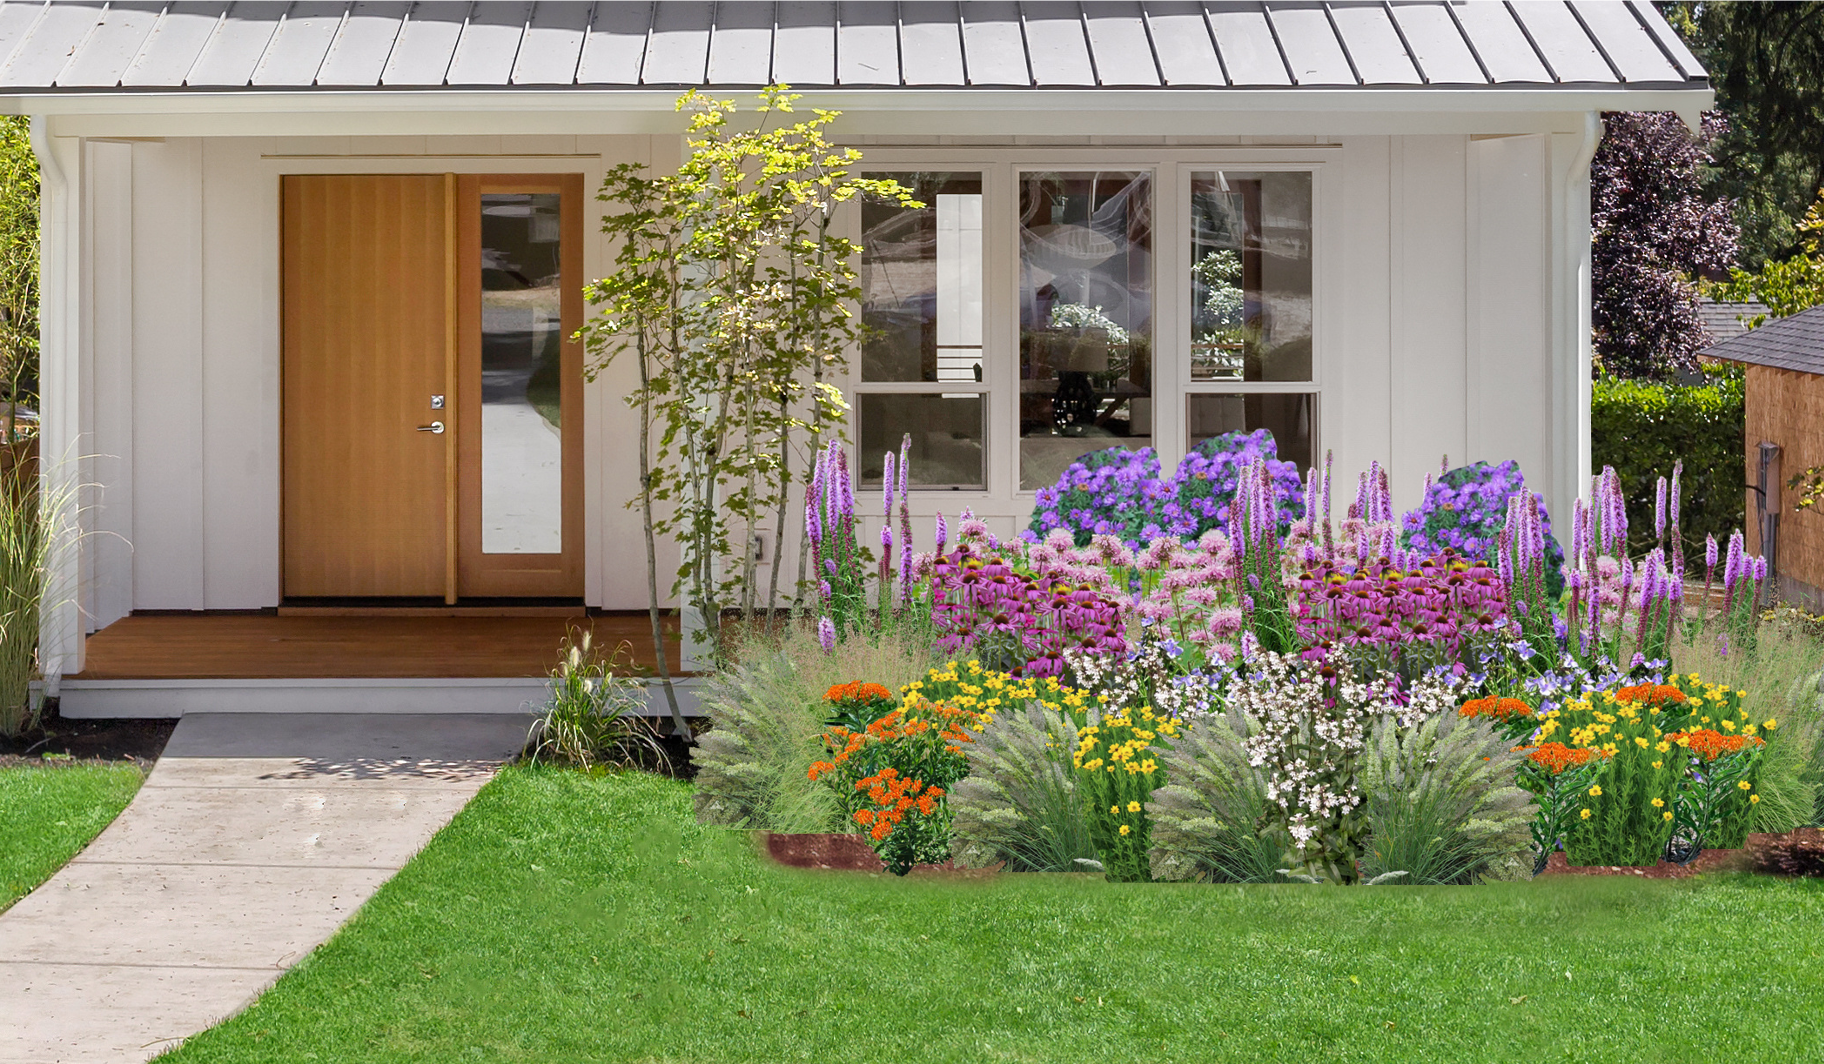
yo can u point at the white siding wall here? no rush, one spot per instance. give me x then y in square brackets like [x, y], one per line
[1439, 276]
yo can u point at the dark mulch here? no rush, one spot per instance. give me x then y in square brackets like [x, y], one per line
[1795, 853]
[86, 740]
[847, 853]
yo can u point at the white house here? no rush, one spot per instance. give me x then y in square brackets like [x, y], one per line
[309, 268]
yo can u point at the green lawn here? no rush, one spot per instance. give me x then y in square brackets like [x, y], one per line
[49, 813]
[567, 918]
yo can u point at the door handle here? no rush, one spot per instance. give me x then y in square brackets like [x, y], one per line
[435, 426]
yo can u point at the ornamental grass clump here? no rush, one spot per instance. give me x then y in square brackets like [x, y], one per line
[1441, 804]
[1208, 820]
[595, 716]
[1019, 806]
[767, 714]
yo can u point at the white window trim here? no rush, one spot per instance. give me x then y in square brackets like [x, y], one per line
[1171, 384]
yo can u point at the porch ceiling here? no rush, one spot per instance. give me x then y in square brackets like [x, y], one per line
[55, 47]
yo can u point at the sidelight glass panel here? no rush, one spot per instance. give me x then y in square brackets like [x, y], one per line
[946, 433]
[522, 446]
[1251, 276]
[1086, 318]
[921, 281]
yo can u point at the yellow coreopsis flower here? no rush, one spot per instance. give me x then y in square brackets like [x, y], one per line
[1596, 791]
[1585, 814]
[1754, 799]
[1659, 803]
[1133, 807]
[1770, 724]
[1745, 785]
[1659, 764]
[1667, 815]
[1125, 829]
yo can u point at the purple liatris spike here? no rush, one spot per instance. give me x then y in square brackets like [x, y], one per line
[1710, 551]
[886, 542]
[886, 486]
[826, 634]
[905, 460]
[1659, 510]
[941, 532]
[1760, 570]
[1678, 469]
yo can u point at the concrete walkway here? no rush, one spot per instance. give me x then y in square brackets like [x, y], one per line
[253, 839]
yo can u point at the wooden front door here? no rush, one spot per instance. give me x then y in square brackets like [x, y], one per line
[432, 395]
[368, 341]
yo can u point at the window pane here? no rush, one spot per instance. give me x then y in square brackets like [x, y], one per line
[1288, 417]
[1086, 318]
[946, 438]
[1251, 276]
[921, 281]
[522, 443]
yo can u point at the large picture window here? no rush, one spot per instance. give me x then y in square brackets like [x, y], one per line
[1036, 306]
[921, 355]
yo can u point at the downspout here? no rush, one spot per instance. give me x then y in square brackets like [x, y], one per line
[60, 618]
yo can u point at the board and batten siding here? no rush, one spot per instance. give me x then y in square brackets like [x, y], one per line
[1441, 297]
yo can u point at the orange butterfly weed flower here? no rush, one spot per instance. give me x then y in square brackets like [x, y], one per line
[858, 692]
[1650, 694]
[1556, 757]
[1711, 744]
[1498, 709]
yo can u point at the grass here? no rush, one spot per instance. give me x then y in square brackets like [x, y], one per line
[49, 813]
[566, 917]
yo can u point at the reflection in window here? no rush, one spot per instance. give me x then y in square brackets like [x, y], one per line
[1290, 417]
[1086, 310]
[1251, 276]
[522, 447]
[946, 435]
[921, 282]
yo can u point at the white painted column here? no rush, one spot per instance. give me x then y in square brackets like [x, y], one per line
[1571, 354]
[60, 387]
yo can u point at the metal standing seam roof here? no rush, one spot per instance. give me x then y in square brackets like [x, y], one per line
[88, 46]
[1795, 343]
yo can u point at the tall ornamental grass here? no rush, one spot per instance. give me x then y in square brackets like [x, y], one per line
[767, 716]
[1781, 676]
[25, 542]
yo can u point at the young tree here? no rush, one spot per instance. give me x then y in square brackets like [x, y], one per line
[732, 294]
[1653, 235]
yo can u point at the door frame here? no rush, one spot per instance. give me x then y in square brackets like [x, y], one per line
[475, 574]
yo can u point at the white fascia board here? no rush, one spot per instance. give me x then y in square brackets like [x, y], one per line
[1090, 112]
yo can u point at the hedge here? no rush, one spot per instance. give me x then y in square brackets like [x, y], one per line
[1642, 427]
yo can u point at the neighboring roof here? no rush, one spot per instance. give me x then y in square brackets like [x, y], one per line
[1725, 321]
[78, 46]
[1795, 343]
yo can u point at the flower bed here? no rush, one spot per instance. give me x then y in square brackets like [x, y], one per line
[1255, 689]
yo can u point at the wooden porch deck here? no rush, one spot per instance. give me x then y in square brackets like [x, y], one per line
[249, 646]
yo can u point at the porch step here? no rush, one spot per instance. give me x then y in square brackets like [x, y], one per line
[92, 698]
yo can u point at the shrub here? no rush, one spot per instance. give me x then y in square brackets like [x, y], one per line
[1464, 511]
[1209, 822]
[767, 717]
[1642, 428]
[1204, 485]
[1019, 804]
[1441, 803]
[594, 717]
[1121, 493]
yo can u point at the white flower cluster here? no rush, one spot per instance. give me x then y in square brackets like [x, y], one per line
[1313, 723]
[1133, 679]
